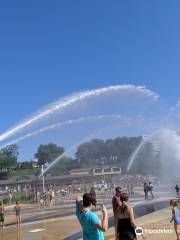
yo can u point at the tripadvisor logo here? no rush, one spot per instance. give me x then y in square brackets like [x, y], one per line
[139, 231]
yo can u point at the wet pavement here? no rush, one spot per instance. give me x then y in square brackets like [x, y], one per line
[57, 230]
[50, 223]
[41, 231]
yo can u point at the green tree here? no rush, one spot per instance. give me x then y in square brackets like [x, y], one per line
[8, 160]
[91, 153]
[64, 166]
[8, 156]
[112, 151]
[10, 150]
[26, 165]
[47, 153]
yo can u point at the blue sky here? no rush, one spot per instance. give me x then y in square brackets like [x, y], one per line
[49, 49]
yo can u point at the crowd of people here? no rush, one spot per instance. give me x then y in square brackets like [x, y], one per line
[124, 219]
[93, 226]
[46, 198]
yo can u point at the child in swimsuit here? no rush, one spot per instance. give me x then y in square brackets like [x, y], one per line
[18, 212]
[175, 217]
[2, 214]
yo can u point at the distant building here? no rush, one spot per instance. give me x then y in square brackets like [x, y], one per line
[97, 171]
[80, 171]
[27, 164]
[34, 163]
[106, 170]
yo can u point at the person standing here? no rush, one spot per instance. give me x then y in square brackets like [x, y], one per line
[10, 197]
[18, 212]
[177, 190]
[132, 189]
[145, 187]
[50, 197]
[151, 189]
[116, 202]
[93, 226]
[2, 211]
[38, 196]
[92, 191]
[175, 217]
[125, 221]
[53, 196]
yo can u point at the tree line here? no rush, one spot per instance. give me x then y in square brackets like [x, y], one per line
[96, 152]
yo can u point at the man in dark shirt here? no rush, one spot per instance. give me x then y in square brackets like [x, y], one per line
[116, 202]
[177, 189]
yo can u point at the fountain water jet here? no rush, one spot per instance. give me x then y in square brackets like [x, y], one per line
[70, 149]
[67, 101]
[133, 157]
[59, 125]
[168, 142]
[62, 124]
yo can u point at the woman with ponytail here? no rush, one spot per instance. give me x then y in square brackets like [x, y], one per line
[124, 220]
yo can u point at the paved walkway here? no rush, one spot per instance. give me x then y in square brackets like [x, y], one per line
[31, 213]
[61, 226]
[57, 230]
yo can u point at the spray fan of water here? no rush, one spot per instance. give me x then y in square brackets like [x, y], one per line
[119, 110]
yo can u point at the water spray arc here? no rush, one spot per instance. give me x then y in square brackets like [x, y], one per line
[60, 125]
[133, 157]
[67, 101]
